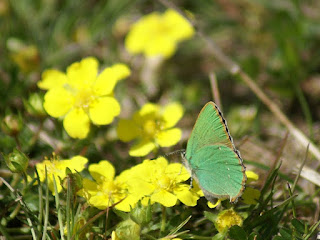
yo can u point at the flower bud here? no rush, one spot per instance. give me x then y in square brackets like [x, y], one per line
[75, 180]
[11, 124]
[34, 105]
[16, 161]
[141, 214]
[128, 229]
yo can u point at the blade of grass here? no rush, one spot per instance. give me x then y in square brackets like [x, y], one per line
[58, 207]
[180, 226]
[300, 170]
[24, 205]
[293, 205]
[40, 192]
[69, 210]
[94, 218]
[46, 215]
[313, 228]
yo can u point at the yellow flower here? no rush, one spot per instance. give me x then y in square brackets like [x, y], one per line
[158, 34]
[57, 169]
[152, 126]
[251, 195]
[251, 176]
[108, 189]
[211, 205]
[227, 219]
[161, 182]
[81, 95]
[25, 56]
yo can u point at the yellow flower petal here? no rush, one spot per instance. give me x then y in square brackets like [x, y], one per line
[56, 169]
[102, 171]
[211, 205]
[52, 78]
[149, 109]
[75, 164]
[178, 172]
[141, 149]
[103, 110]
[163, 46]
[186, 196]
[127, 130]
[100, 201]
[77, 123]
[172, 113]
[127, 203]
[89, 187]
[83, 74]
[180, 28]
[165, 198]
[137, 37]
[58, 101]
[158, 34]
[169, 137]
[107, 80]
[252, 176]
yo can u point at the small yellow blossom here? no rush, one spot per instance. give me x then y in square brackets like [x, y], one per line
[251, 195]
[210, 205]
[161, 182]
[107, 189]
[152, 126]
[25, 56]
[57, 169]
[251, 176]
[226, 219]
[81, 95]
[158, 34]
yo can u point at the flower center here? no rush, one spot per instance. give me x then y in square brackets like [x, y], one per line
[164, 182]
[152, 127]
[84, 97]
[112, 188]
[52, 169]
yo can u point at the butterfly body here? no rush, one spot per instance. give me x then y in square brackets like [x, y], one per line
[212, 158]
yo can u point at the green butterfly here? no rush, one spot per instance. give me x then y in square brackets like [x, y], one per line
[212, 158]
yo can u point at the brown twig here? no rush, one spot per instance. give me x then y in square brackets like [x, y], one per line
[215, 89]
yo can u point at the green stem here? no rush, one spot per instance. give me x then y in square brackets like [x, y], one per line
[46, 215]
[163, 220]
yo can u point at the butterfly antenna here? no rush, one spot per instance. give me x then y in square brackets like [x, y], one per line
[171, 153]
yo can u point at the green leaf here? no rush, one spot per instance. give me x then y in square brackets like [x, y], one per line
[237, 233]
[279, 238]
[298, 225]
[286, 233]
[219, 236]
[254, 236]
[210, 216]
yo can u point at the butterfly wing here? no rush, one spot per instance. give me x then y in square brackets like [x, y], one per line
[218, 172]
[210, 153]
[209, 129]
